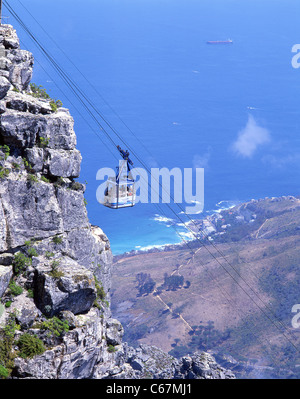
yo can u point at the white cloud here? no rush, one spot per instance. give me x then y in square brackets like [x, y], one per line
[250, 138]
[281, 162]
[201, 161]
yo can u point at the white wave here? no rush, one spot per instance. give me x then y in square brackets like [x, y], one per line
[164, 219]
[157, 246]
[186, 236]
[224, 205]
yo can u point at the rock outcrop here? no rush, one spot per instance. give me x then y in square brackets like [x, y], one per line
[55, 267]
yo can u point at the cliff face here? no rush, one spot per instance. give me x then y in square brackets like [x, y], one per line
[55, 267]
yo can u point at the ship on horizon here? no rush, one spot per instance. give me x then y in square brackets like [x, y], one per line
[228, 41]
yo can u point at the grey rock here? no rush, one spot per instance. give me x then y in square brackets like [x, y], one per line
[27, 312]
[27, 103]
[6, 259]
[76, 357]
[3, 229]
[9, 37]
[35, 156]
[19, 129]
[74, 290]
[203, 366]
[137, 364]
[114, 332]
[30, 210]
[2, 107]
[5, 276]
[23, 129]
[58, 128]
[20, 73]
[73, 210]
[4, 87]
[63, 163]
[69, 317]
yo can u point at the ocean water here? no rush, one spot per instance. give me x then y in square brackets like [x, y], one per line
[145, 64]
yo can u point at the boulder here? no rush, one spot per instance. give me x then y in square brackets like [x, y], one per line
[3, 229]
[62, 163]
[71, 287]
[23, 129]
[27, 311]
[73, 210]
[58, 129]
[6, 259]
[6, 273]
[31, 210]
[114, 332]
[27, 103]
[4, 87]
[35, 156]
[19, 129]
[20, 73]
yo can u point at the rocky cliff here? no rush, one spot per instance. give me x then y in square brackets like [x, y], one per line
[55, 267]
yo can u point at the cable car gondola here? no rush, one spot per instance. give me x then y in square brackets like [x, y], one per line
[120, 190]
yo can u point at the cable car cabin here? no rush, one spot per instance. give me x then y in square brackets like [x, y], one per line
[120, 191]
[119, 194]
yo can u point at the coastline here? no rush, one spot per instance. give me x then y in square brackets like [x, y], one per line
[204, 221]
[207, 226]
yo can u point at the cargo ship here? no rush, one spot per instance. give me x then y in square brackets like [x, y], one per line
[228, 41]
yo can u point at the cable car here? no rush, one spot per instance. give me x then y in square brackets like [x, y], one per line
[120, 190]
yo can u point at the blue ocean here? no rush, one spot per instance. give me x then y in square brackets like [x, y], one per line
[232, 109]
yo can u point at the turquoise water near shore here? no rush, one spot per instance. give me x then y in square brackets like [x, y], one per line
[231, 109]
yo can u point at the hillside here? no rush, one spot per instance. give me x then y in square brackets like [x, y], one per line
[230, 292]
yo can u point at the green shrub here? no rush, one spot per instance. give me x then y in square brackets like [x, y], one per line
[5, 148]
[31, 252]
[26, 164]
[99, 290]
[111, 349]
[38, 91]
[55, 273]
[30, 346]
[49, 255]
[14, 288]
[55, 105]
[45, 180]
[57, 240]
[4, 373]
[16, 165]
[32, 178]
[100, 294]
[4, 172]
[43, 142]
[59, 182]
[6, 345]
[55, 327]
[20, 263]
[76, 186]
